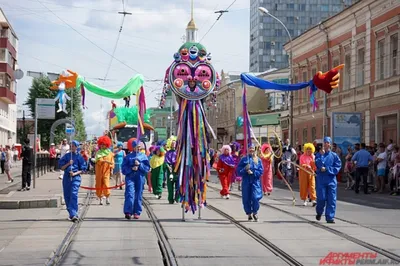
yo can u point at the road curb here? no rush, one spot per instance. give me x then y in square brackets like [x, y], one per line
[53, 202]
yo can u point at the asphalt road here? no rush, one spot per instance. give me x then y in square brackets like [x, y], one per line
[376, 211]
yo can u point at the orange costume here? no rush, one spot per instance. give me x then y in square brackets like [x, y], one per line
[307, 181]
[266, 159]
[104, 168]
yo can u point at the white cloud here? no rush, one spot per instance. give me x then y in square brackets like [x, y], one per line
[151, 35]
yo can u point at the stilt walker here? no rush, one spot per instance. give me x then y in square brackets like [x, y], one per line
[192, 78]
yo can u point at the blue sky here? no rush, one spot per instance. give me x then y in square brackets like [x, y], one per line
[150, 37]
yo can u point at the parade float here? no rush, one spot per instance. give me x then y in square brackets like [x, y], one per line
[123, 124]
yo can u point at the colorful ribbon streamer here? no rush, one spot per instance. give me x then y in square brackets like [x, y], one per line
[191, 165]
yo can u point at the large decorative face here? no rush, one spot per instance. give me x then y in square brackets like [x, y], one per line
[192, 77]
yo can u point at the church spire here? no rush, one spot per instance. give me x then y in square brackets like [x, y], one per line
[191, 30]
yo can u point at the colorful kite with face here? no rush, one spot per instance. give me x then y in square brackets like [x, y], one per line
[192, 78]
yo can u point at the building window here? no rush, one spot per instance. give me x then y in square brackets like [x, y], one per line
[313, 133]
[290, 19]
[5, 81]
[159, 122]
[347, 72]
[290, 6]
[381, 60]
[302, 7]
[325, 8]
[305, 135]
[360, 66]
[394, 49]
[3, 55]
[278, 32]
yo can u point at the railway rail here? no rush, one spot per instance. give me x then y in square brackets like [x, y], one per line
[386, 253]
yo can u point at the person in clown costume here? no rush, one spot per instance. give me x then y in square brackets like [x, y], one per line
[307, 181]
[73, 165]
[135, 167]
[104, 165]
[235, 155]
[328, 166]
[157, 171]
[267, 162]
[119, 155]
[151, 150]
[225, 167]
[172, 176]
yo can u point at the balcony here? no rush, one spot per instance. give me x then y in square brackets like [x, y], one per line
[7, 96]
[9, 41]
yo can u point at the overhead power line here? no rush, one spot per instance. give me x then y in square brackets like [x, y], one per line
[220, 12]
[93, 43]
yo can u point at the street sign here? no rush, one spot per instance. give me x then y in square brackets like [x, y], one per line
[70, 131]
[45, 108]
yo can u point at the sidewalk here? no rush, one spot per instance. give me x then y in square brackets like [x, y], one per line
[16, 172]
[48, 193]
[30, 236]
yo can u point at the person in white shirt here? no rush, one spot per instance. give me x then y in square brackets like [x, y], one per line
[381, 168]
[64, 148]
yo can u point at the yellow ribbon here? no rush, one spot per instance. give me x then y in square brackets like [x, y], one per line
[280, 147]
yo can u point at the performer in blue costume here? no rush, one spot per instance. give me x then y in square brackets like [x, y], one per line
[135, 167]
[250, 169]
[73, 165]
[119, 155]
[328, 166]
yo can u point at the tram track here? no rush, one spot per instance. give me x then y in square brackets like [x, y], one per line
[259, 238]
[386, 253]
[58, 255]
[169, 258]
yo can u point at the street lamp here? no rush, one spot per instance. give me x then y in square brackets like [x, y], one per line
[266, 12]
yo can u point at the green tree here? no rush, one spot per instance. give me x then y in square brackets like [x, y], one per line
[41, 89]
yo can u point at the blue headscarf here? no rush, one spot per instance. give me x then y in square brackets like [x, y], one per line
[162, 143]
[328, 139]
[134, 143]
[120, 144]
[75, 143]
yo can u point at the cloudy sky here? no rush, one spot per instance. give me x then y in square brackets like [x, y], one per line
[150, 37]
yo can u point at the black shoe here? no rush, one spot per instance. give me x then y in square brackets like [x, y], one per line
[75, 219]
[357, 191]
[330, 221]
[28, 188]
[22, 189]
[318, 217]
[128, 216]
[250, 218]
[255, 216]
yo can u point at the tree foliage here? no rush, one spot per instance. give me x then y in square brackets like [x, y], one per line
[41, 89]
